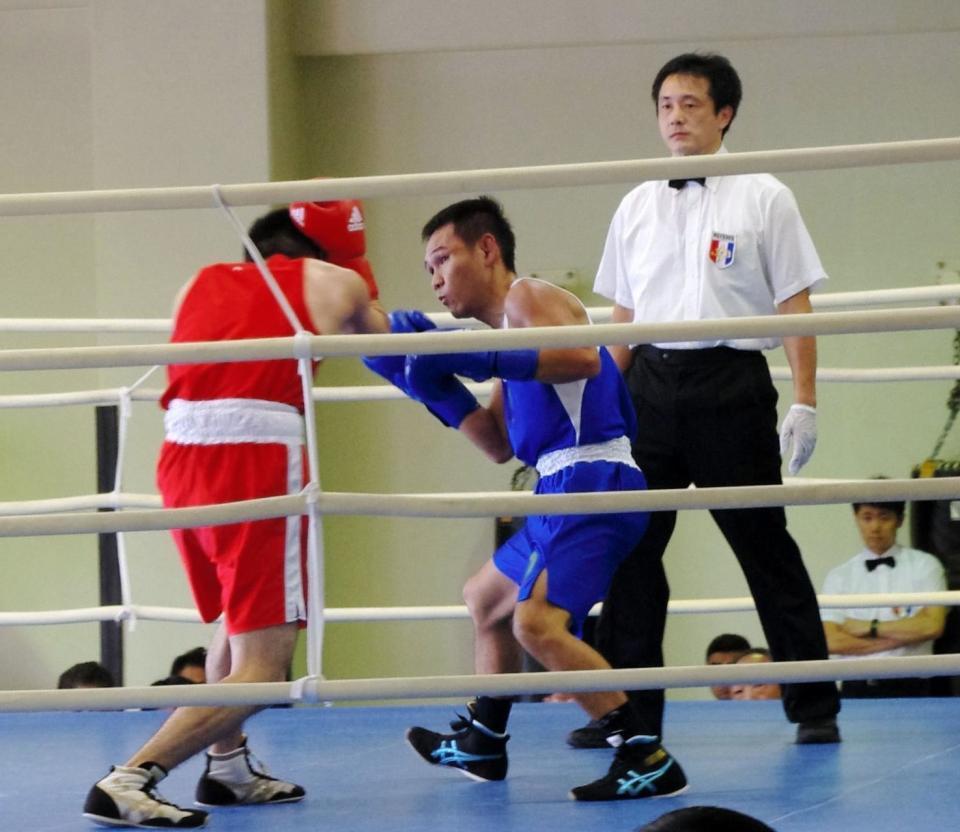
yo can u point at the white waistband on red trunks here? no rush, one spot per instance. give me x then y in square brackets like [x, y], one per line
[613, 450]
[230, 421]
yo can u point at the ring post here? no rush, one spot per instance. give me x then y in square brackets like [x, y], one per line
[111, 632]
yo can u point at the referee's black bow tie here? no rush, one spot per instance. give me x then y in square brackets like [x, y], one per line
[679, 183]
[873, 563]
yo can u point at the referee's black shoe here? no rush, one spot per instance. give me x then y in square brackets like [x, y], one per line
[592, 735]
[818, 731]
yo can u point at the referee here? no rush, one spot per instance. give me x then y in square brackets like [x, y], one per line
[719, 247]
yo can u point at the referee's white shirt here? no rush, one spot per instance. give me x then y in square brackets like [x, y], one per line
[915, 571]
[657, 258]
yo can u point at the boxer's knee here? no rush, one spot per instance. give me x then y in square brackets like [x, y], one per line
[490, 598]
[540, 627]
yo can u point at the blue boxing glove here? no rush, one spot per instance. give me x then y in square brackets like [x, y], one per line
[410, 320]
[454, 404]
[444, 395]
[518, 365]
[391, 366]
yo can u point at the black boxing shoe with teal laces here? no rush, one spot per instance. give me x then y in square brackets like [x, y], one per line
[641, 768]
[475, 751]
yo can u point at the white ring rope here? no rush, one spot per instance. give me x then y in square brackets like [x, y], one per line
[125, 414]
[386, 392]
[107, 612]
[880, 297]
[946, 598]
[79, 397]
[947, 372]
[86, 502]
[494, 179]
[329, 346]
[311, 689]
[123, 570]
[486, 504]
[105, 326]
[939, 293]
[259, 262]
[598, 314]
[156, 520]
[453, 612]
[120, 500]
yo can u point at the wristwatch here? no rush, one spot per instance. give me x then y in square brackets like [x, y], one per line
[873, 628]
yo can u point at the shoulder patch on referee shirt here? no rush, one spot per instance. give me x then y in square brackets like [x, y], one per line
[723, 247]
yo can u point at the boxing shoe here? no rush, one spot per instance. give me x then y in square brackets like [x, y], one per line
[127, 797]
[818, 731]
[641, 768]
[232, 779]
[475, 751]
[591, 735]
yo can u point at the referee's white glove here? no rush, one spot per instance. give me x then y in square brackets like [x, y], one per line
[799, 428]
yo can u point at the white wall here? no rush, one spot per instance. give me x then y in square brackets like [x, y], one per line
[110, 94]
[47, 270]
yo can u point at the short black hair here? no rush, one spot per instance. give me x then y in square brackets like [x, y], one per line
[276, 233]
[471, 219]
[724, 84]
[86, 675]
[898, 507]
[705, 819]
[172, 679]
[192, 658]
[728, 643]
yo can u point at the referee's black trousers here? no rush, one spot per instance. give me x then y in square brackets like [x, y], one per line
[709, 417]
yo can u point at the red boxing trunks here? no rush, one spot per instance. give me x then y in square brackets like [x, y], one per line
[227, 450]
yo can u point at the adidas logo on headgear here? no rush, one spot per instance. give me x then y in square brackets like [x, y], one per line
[355, 223]
[297, 214]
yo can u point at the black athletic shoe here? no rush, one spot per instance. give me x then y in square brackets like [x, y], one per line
[128, 797]
[475, 751]
[639, 769]
[818, 731]
[591, 735]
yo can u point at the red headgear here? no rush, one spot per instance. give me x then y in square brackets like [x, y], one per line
[338, 228]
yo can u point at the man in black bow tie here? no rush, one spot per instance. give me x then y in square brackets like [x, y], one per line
[697, 249]
[882, 567]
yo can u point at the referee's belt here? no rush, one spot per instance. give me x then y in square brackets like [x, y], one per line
[708, 356]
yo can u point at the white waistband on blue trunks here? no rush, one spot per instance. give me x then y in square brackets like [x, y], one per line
[230, 421]
[613, 450]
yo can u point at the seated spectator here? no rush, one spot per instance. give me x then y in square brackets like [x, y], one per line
[756, 655]
[86, 675]
[172, 680]
[169, 680]
[726, 648]
[191, 666]
[883, 566]
[705, 819]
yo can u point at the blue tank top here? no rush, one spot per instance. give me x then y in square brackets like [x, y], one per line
[547, 417]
